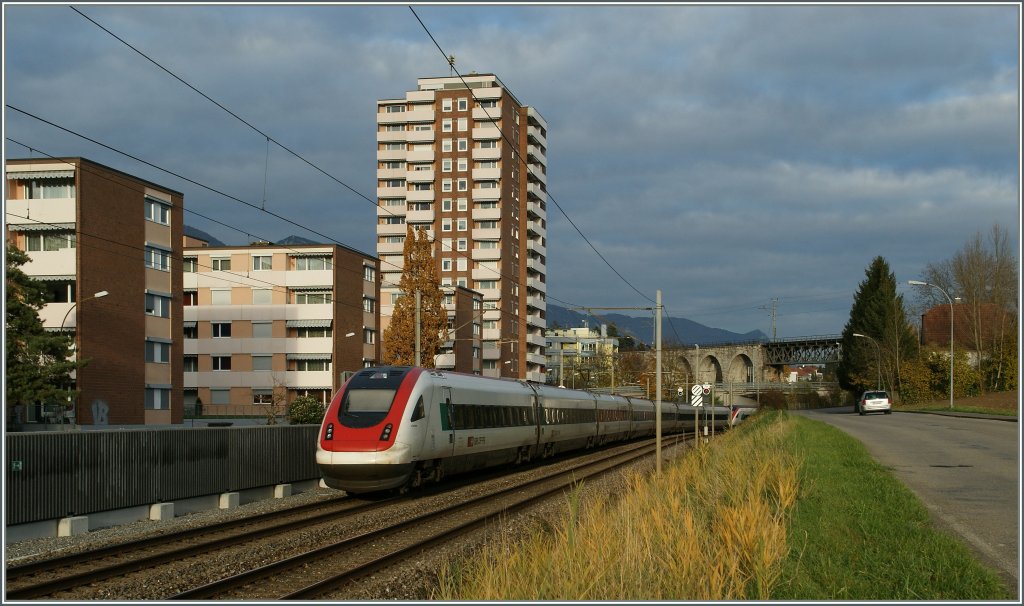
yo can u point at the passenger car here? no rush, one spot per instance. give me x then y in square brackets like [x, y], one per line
[873, 401]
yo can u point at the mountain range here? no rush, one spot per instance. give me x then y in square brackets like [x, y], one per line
[674, 331]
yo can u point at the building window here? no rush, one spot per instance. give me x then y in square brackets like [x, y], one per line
[487, 244]
[313, 297]
[313, 333]
[463, 105]
[191, 331]
[446, 104]
[191, 363]
[158, 352]
[158, 398]
[487, 185]
[446, 125]
[222, 264]
[262, 330]
[486, 284]
[446, 184]
[220, 396]
[158, 305]
[394, 146]
[368, 305]
[446, 205]
[221, 330]
[394, 109]
[446, 244]
[190, 298]
[462, 282]
[446, 224]
[221, 362]
[392, 221]
[461, 225]
[262, 296]
[312, 365]
[462, 244]
[446, 165]
[262, 362]
[422, 186]
[446, 145]
[463, 144]
[43, 188]
[369, 336]
[487, 225]
[157, 258]
[463, 205]
[190, 265]
[463, 184]
[488, 104]
[446, 264]
[463, 164]
[260, 262]
[369, 274]
[461, 264]
[463, 125]
[49, 241]
[263, 396]
[489, 144]
[313, 263]
[220, 296]
[157, 212]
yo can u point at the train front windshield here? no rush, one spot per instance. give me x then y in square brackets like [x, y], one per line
[369, 397]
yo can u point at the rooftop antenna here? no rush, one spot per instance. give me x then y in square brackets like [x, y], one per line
[451, 64]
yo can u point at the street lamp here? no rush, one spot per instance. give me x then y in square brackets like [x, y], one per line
[920, 283]
[98, 295]
[878, 358]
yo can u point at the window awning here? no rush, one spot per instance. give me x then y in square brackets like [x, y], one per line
[310, 253]
[40, 174]
[188, 324]
[41, 226]
[325, 288]
[308, 323]
[60, 278]
[308, 356]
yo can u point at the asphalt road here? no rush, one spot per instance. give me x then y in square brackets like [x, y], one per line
[965, 470]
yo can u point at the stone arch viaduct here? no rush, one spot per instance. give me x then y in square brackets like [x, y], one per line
[750, 362]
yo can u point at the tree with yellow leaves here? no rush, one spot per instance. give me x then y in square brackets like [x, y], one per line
[419, 274]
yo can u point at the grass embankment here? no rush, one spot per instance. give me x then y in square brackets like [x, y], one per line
[781, 508]
[1006, 403]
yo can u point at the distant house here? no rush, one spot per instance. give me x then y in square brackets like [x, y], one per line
[804, 373]
[935, 326]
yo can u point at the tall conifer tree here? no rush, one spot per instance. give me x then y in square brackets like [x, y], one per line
[418, 274]
[879, 313]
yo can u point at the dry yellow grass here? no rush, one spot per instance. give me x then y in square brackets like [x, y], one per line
[712, 527]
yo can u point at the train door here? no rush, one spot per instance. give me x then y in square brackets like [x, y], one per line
[446, 438]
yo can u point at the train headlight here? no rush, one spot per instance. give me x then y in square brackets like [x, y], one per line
[386, 434]
[329, 434]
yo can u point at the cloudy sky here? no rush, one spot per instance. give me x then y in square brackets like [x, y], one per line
[726, 155]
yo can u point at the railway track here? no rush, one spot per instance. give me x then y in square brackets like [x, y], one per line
[365, 554]
[65, 577]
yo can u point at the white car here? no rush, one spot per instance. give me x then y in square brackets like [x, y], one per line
[873, 401]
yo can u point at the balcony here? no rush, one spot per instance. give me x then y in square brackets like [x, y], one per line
[491, 334]
[419, 176]
[537, 190]
[536, 284]
[486, 132]
[444, 360]
[536, 228]
[420, 155]
[388, 248]
[536, 302]
[536, 209]
[486, 214]
[535, 172]
[486, 195]
[391, 173]
[535, 154]
[490, 113]
[414, 195]
[391, 136]
[534, 134]
[419, 216]
[391, 192]
[485, 153]
[391, 230]
[420, 136]
[424, 114]
[535, 245]
[391, 211]
[486, 274]
[535, 339]
[486, 234]
[535, 264]
[486, 254]
[535, 320]
[486, 174]
[391, 154]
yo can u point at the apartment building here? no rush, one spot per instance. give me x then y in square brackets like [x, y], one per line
[267, 323]
[107, 244]
[581, 357]
[464, 350]
[465, 160]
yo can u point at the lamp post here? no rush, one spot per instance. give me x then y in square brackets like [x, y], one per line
[98, 295]
[920, 283]
[878, 358]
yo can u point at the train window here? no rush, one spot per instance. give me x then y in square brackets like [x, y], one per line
[417, 412]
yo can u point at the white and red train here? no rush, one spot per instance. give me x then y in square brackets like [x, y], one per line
[398, 427]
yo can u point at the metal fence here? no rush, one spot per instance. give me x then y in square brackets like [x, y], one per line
[56, 474]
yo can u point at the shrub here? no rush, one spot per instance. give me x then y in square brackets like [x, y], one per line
[773, 399]
[306, 410]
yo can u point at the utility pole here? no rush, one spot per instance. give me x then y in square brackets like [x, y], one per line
[657, 372]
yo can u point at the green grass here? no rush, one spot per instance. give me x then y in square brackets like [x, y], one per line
[857, 533]
[783, 509]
